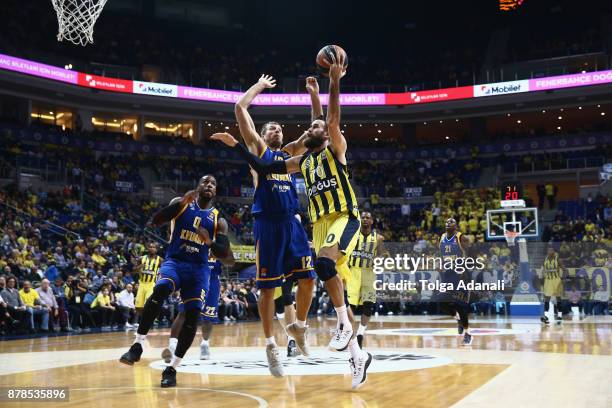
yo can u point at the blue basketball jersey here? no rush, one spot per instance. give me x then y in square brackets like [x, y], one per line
[215, 266]
[451, 246]
[185, 243]
[275, 194]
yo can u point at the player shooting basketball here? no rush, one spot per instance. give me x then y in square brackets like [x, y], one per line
[332, 208]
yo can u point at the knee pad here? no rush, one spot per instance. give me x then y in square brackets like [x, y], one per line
[325, 268]
[368, 307]
[287, 299]
[279, 307]
[287, 295]
[191, 318]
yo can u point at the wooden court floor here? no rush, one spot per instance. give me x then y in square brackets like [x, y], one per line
[418, 363]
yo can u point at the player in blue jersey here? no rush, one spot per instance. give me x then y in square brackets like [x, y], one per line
[453, 245]
[282, 248]
[193, 221]
[208, 314]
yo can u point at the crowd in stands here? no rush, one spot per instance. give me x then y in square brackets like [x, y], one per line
[84, 282]
[430, 175]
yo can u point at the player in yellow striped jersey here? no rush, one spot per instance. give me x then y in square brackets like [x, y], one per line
[360, 288]
[147, 275]
[552, 272]
[332, 209]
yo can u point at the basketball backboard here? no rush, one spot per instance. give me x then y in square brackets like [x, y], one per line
[521, 220]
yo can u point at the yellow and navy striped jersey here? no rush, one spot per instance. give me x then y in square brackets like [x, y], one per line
[365, 251]
[150, 268]
[327, 185]
[551, 267]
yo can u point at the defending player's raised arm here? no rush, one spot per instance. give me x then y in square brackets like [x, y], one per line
[173, 210]
[338, 142]
[260, 166]
[297, 147]
[247, 128]
[316, 109]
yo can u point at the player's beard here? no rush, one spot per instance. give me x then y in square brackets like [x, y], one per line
[313, 142]
[275, 144]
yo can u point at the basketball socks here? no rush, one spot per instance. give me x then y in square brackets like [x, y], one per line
[361, 330]
[176, 361]
[172, 344]
[140, 338]
[204, 343]
[270, 340]
[300, 323]
[354, 349]
[342, 316]
[281, 320]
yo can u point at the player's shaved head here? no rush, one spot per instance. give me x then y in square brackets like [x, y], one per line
[207, 187]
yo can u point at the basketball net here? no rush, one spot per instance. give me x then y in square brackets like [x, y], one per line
[511, 237]
[76, 19]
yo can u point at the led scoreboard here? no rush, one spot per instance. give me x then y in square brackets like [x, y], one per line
[511, 194]
[511, 190]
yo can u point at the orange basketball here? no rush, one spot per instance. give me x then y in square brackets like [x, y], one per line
[325, 55]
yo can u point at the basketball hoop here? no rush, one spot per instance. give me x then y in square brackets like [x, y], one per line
[76, 19]
[511, 237]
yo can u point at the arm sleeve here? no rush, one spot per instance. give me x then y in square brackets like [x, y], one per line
[260, 165]
[167, 213]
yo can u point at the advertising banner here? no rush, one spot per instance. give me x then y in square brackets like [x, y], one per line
[501, 88]
[152, 88]
[37, 69]
[244, 253]
[104, 83]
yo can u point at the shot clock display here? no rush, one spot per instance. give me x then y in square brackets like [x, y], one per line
[511, 190]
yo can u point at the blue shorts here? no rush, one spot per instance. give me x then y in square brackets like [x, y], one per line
[210, 310]
[282, 251]
[191, 278]
[461, 296]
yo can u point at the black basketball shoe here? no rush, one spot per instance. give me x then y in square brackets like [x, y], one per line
[168, 377]
[133, 354]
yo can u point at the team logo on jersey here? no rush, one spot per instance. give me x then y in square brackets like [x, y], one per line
[321, 362]
[322, 186]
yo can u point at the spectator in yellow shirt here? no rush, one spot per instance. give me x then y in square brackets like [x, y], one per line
[34, 307]
[102, 303]
[97, 258]
[473, 223]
